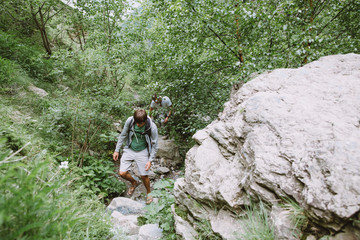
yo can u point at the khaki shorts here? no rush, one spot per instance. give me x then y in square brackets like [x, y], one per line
[140, 158]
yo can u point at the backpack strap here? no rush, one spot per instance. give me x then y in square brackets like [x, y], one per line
[131, 125]
[147, 126]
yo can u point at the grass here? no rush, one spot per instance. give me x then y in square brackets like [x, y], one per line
[205, 231]
[256, 222]
[297, 215]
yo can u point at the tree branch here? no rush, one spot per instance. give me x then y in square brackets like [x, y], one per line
[207, 25]
[217, 70]
[16, 152]
[56, 13]
[322, 5]
[337, 15]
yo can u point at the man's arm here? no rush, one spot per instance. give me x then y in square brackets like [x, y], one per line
[122, 137]
[152, 105]
[168, 115]
[154, 141]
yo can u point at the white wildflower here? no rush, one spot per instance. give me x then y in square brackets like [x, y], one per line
[64, 164]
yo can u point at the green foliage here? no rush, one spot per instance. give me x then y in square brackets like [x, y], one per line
[6, 71]
[36, 204]
[256, 223]
[194, 52]
[14, 141]
[191, 51]
[26, 54]
[160, 212]
[98, 176]
[83, 122]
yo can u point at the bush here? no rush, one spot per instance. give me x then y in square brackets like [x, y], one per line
[28, 56]
[98, 176]
[36, 202]
[6, 71]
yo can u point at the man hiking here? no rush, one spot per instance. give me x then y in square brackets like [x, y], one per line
[163, 107]
[140, 137]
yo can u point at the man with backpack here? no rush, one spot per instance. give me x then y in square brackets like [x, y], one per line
[163, 107]
[140, 137]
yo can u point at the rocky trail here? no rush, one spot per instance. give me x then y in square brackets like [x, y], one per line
[126, 209]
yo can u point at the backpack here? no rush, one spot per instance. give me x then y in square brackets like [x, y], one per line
[147, 127]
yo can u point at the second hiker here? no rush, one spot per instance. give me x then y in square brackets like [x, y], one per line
[162, 107]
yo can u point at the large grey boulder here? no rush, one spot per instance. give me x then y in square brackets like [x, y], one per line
[292, 133]
[124, 214]
[168, 152]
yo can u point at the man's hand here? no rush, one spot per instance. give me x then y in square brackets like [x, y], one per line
[147, 166]
[115, 156]
[166, 120]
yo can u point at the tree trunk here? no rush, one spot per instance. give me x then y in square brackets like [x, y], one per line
[238, 36]
[41, 26]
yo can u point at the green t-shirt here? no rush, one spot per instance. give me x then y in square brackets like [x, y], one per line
[138, 142]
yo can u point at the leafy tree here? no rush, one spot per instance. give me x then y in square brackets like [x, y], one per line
[39, 11]
[194, 51]
[105, 38]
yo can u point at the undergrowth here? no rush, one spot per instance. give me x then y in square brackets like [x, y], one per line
[160, 212]
[39, 200]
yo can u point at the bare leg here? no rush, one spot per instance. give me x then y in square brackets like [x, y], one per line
[127, 176]
[146, 181]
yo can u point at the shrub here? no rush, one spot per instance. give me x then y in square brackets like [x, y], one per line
[297, 214]
[6, 71]
[205, 231]
[27, 55]
[36, 202]
[98, 176]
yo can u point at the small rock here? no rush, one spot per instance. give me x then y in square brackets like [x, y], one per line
[162, 170]
[38, 91]
[182, 227]
[92, 153]
[151, 174]
[133, 237]
[311, 237]
[118, 126]
[126, 206]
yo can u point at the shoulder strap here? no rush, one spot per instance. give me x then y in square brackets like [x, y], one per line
[131, 125]
[147, 126]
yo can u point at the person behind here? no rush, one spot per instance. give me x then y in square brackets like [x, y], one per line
[164, 107]
[140, 137]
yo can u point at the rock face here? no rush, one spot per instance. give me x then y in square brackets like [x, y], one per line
[289, 133]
